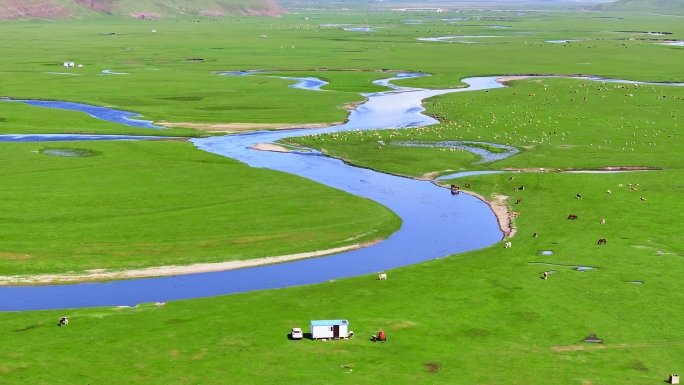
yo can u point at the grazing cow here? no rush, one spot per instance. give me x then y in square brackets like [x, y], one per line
[511, 178]
[620, 185]
[350, 334]
[534, 235]
[560, 171]
[521, 188]
[541, 169]
[572, 217]
[632, 189]
[515, 214]
[467, 185]
[603, 221]
[517, 201]
[532, 95]
[160, 304]
[455, 187]
[508, 245]
[608, 191]
[382, 277]
[63, 321]
[643, 199]
[579, 196]
[601, 241]
[515, 189]
[546, 275]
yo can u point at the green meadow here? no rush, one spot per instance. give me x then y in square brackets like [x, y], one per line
[482, 317]
[156, 203]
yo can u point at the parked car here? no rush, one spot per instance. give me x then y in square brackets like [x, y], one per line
[296, 334]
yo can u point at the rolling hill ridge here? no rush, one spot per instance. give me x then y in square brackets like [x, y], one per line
[674, 7]
[142, 9]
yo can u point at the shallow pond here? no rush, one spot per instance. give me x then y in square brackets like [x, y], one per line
[453, 38]
[359, 29]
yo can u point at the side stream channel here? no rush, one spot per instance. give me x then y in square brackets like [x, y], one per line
[435, 223]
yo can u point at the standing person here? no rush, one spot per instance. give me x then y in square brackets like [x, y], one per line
[382, 336]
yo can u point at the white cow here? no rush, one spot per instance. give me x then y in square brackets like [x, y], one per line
[382, 277]
[508, 245]
[63, 321]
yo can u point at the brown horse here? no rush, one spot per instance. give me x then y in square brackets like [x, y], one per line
[517, 201]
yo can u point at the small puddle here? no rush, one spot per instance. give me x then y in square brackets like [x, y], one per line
[455, 38]
[359, 29]
[673, 43]
[109, 72]
[575, 267]
[636, 282]
[70, 152]
[546, 252]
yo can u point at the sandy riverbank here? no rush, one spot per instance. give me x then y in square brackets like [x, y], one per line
[164, 271]
[269, 147]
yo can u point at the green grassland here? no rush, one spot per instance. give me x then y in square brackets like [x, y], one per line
[460, 320]
[482, 317]
[671, 7]
[163, 85]
[568, 123]
[154, 203]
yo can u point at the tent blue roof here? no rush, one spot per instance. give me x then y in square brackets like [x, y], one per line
[329, 322]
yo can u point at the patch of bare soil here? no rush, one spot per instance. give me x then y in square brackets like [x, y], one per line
[146, 15]
[432, 367]
[210, 13]
[592, 339]
[41, 9]
[243, 127]
[353, 105]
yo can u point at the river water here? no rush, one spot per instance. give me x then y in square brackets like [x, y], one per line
[435, 223]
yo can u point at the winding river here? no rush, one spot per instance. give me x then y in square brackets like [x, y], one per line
[435, 223]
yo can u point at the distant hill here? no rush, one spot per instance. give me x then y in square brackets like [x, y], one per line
[143, 9]
[673, 7]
